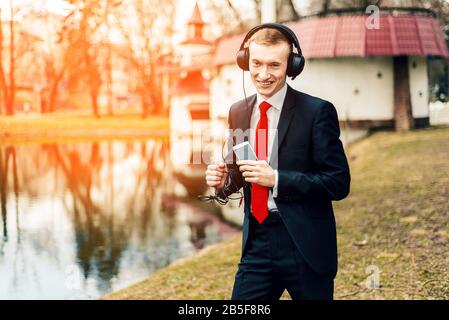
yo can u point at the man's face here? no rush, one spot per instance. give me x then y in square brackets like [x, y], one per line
[268, 67]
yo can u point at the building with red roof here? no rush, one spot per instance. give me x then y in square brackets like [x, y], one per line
[190, 91]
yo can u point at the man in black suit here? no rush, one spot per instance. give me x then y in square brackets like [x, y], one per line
[289, 234]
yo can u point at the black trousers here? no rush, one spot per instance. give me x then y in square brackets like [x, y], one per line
[272, 264]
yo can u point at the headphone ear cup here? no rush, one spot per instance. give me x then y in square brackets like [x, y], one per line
[295, 65]
[242, 59]
[302, 63]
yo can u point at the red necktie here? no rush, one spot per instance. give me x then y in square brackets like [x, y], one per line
[259, 195]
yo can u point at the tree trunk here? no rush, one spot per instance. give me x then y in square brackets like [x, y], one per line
[44, 101]
[286, 11]
[1, 94]
[258, 9]
[144, 103]
[2, 75]
[325, 7]
[236, 15]
[402, 100]
[94, 101]
[95, 85]
[7, 92]
[10, 103]
[52, 96]
[51, 101]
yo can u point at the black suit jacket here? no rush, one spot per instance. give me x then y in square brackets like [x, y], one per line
[312, 170]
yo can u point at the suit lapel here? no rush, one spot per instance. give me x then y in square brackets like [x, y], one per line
[283, 124]
[286, 114]
[245, 125]
[246, 117]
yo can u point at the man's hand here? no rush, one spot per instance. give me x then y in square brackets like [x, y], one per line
[258, 172]
[216, 175]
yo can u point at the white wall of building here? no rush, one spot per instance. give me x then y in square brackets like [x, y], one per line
[439, 113]
[419, 84]
[190, 52]
[353, 85]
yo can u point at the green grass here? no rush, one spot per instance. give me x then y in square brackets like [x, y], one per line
[395, 219]
[22, 128]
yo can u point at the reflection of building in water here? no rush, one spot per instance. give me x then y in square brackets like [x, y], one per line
[188, 92]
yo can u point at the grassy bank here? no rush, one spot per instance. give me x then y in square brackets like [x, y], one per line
[22, 128]
[394, 221]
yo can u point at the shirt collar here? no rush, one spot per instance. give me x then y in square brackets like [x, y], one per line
[277, 100]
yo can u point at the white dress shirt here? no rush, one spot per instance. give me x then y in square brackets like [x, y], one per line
[276, 101]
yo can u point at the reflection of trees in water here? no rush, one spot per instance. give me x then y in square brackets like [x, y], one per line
[10, 154]
[158, 180]
[99, 244]
[101, 238]
[3, 181]
[102, 232]
[198, 232]
[120, 201]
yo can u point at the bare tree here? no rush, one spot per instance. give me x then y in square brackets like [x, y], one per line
[236, 14]
[57, 61]
[74, 58]
[286, 11]
[2, 73]
[230, 18]
[234, 19]
[55, 57]
[12, 84]
[224, 19]
[147, 31]
[85, 50]
[8, 91]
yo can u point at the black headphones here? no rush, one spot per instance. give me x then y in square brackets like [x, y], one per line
[296, 61]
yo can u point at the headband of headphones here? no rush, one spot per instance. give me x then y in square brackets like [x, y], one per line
[286, 31]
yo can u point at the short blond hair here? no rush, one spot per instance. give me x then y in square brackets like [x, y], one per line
[269, 37]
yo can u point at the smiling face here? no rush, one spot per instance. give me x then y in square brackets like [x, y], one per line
[268, 66]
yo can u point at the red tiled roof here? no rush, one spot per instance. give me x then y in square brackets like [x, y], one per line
[380, 43]
[347, 36]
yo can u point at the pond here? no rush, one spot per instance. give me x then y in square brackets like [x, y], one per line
[82, 219]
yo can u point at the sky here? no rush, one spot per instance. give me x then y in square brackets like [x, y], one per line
[184, 10]
[53, 6]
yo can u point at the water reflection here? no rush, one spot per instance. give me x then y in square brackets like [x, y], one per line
[82, 219]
